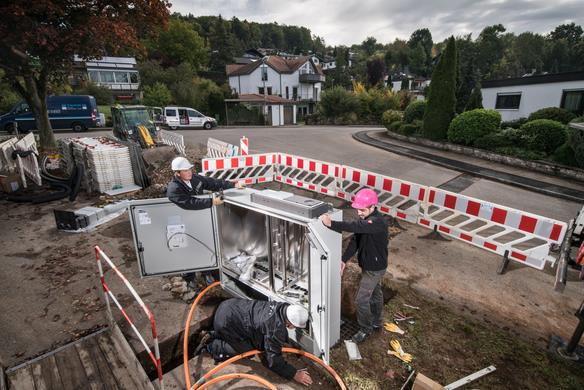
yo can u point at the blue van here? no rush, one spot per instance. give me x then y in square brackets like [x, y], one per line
[77, 112]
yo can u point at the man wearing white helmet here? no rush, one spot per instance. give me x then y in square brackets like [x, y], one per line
[241, 325]
[185, 185]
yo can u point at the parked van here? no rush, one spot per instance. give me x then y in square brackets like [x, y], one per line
[77, 112]
[177, 117]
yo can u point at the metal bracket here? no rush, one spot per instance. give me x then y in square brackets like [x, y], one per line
[434, 235]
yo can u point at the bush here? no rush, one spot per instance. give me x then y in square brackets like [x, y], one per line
[565, 155]
[391, 116]
[337, 101]
[544, 135]
[506, 137]
[408, 129]
[405, 98]
[102, 95]
[374, 102]
[414, 111]
[157, 95]
[579, 119]
[576, 142]
[553, 113]
[514, 124]
[469, 126]
[521, 153]
[394, 126]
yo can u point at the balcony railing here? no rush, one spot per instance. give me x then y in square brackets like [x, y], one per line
[311, 78]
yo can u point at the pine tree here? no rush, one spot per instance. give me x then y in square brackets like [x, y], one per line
[442, 95]
[476, 98]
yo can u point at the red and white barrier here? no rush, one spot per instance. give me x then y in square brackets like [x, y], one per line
[244, 146]
[525, 237]
[398, 198]
[255, 168]
[155, 357]
[313, 175]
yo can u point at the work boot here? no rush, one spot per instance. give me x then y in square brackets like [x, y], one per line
[205, 339]
[376, 328]
[360, 336]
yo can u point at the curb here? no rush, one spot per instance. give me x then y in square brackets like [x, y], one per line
[486, 173]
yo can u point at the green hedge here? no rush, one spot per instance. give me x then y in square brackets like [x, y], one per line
[391, 116]
[415, 110]
[521, 153]
[514, 124]
[337, 101]
[544, 135]
[469, 126]
[505, 137]
[576, 142]
[408, 129]
[553, 113]
[394, 126]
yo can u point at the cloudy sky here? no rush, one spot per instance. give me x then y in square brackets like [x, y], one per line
[351, 21]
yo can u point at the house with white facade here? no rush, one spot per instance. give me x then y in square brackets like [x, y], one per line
[298, 80]
[518, 97]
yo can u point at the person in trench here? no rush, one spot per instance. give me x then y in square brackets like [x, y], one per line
[369, 242]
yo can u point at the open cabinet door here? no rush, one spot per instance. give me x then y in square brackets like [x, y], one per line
[170, 240]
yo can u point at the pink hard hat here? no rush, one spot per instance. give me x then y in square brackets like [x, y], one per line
[364, 198]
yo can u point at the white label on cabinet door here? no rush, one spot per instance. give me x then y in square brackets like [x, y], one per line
[175, 236]
[144, 218]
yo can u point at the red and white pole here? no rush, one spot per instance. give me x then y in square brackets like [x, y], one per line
[244, 146]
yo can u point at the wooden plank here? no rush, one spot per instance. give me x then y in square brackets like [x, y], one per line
[71, 370]
[102, 365]
[124, 349]
[21, 379]
[50, 373]
[119, 364]
[91, 369]
[37, 376]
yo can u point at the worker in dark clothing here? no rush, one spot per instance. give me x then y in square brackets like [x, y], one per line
[370, 243]
[242, 325]
[184, 187]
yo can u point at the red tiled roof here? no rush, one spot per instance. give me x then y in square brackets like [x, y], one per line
[230, 68]
[279, 64]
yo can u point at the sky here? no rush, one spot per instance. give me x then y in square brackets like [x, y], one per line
[347, 22]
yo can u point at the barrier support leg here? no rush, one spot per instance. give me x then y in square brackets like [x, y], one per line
[504, 263]
[394, 222]
[570, 351]
[434, 235]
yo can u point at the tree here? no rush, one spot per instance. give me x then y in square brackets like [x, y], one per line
[476, 98]
[179, 43]
[221, 42]
[375, 71]
[570, 32]
[8, 98]
[157, 95]
[528, 50]
[490, 48]
[40, 38]
[468, 74]
[421, 37]
[442, 98]
[418, 60]
[405, 84]
[369, 45]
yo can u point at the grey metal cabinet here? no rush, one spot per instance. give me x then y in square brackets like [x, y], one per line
[266, 244]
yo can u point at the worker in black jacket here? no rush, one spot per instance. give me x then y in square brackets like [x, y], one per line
[242, 325]
[185, 185]
[370, 244]
[182, 191]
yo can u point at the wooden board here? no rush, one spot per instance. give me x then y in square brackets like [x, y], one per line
[102, 361]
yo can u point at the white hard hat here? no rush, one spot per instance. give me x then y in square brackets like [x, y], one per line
[181, 163]
[297, 315]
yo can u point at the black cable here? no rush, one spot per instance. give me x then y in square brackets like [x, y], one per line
[213, 254]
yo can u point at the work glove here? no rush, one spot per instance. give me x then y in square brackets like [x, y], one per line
[398, 352]
[391, 327]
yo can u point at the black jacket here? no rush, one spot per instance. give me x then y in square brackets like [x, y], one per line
[263, 324]
[370, 241]
[184, 197]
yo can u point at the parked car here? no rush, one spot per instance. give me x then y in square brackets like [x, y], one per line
[177, 117]
[77, 112]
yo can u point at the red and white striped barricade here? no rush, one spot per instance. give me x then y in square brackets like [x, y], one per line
[7, 164]
[518, 235]
[312, 175]
[155, 357]
[244, 146]
[398, 198]
[218, 149]
[28, 166]
[255, 168]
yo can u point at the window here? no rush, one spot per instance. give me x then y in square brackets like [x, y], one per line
[269, 90]
[508, 101]
[287, 93]
[573, 101]
[107, 76]
[264, 73]
[170, 113]
[294, 93]
[93, 76]
[261, 90]
[122, 77]
[193, 114]
[134, 79]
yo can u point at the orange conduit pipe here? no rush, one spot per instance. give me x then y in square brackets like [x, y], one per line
[227, 362]
[239, 376]
[186, 333]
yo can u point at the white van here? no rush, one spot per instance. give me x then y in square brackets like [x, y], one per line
[177, 117]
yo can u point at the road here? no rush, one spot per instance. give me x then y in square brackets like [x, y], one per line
[335, 144]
